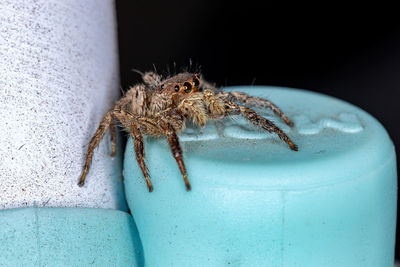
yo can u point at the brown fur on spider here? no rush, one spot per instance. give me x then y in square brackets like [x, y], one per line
[160, 107]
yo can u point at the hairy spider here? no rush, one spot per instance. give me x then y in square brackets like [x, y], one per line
[160, 107]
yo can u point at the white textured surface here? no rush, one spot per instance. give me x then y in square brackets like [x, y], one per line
[58, 77]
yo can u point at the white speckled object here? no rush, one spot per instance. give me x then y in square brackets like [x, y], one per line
[58, 77]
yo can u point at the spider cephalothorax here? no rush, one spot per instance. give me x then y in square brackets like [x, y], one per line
[161, 107]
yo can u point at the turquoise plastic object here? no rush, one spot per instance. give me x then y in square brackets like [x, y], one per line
[254, 202]
[68, 237]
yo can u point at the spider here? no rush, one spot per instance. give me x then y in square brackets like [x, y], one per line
[160, 107]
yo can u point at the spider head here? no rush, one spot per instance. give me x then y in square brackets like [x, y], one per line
[182, 84]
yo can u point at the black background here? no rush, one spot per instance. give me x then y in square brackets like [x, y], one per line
[352, 53]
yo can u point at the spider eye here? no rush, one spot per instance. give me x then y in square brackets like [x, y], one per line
[196, 82]
[162, 86]
[176, 88]
[187, 87]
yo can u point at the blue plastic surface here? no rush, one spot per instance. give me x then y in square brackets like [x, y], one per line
[254, 202]
[68, 237]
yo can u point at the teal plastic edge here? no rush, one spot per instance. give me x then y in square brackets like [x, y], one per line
[68, 237]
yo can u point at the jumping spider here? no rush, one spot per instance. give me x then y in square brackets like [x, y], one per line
[160, 107]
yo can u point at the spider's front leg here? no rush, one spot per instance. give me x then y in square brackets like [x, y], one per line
[258, 120]
[173, 141]
[113, 138]
[255, 102]
[130, 122]
[94, 142]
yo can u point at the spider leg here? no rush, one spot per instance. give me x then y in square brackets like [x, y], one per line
[255, 102]
[173, 141]
[129, 122]
[113, 138]
[258, 120]
[94, 142]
